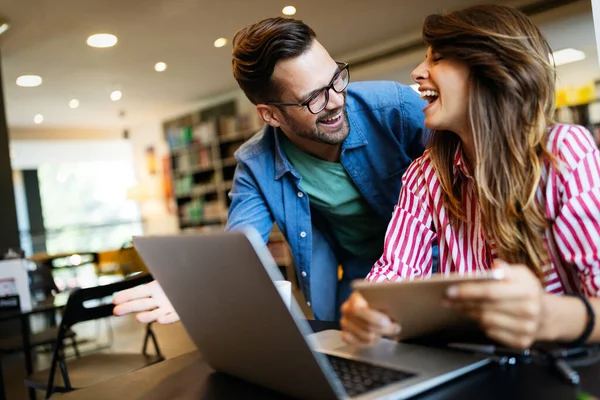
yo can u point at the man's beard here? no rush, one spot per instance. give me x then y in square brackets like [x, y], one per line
[316, 135]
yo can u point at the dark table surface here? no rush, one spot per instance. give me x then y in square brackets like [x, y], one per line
[189, 377]
[47, 304]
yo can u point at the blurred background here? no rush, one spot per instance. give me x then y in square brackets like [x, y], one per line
[137, 136]
[122, 117]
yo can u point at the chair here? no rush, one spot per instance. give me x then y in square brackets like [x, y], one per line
[86, 305]
[11, 339]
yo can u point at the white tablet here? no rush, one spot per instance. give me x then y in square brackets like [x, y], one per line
[417, 305]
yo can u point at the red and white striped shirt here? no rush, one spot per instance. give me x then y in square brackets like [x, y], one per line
[570, 193]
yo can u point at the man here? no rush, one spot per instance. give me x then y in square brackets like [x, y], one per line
[326, 168]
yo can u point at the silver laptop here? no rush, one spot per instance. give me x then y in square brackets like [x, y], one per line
[221, 285]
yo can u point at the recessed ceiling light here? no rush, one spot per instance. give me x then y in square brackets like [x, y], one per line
[220, 42]
[160, 66]
[75, 259]
[102, 40]
[116, 95]
[29, 80]
[38, 119]
[74, 103]
[4, 27]
[566, 56]
[289, 10]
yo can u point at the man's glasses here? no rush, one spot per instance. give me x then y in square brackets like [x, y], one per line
[319, 99]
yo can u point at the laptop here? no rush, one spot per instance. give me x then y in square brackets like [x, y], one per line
[221, 285]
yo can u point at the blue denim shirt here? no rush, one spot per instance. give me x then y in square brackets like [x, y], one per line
[386, 134]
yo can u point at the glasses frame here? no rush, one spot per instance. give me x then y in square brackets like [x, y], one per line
[343, 66]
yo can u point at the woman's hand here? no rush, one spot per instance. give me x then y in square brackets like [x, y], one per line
[511, 311]
[363, 326]
[149, 301]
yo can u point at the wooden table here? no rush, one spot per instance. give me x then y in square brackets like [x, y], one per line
[189, 377]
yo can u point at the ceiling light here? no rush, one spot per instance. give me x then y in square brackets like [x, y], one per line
[289, 10]
[220, 42]
[566, 56]
[38, 119]
[160, 66]
[102, 40]
[116, 95]
[75, 259]
[74, 103]
[29, 80]
[3, 27]
[415, 87]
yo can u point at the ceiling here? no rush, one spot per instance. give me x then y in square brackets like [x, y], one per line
[47, 38]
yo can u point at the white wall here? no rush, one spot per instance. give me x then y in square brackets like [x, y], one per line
[155, 211]
[56, 133]
[29, 154]
[596, 14]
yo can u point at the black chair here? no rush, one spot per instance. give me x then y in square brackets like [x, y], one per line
[90, 369]
[11, 337]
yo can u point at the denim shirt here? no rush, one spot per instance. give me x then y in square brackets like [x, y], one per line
[386, 134]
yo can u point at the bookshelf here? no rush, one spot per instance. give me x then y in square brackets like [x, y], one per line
[202, 146]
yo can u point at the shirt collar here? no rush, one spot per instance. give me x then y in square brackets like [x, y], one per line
[356, 138]
[461, 167]
[282, 163]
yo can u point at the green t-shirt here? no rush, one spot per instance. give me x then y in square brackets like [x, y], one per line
[351, 220]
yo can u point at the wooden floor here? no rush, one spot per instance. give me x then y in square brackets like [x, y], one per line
[128, 335]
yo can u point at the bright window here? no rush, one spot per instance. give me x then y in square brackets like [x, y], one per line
[85, 205]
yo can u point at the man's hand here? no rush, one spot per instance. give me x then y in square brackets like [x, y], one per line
[363, 326]
[149, 301]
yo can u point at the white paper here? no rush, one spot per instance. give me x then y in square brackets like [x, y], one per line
[285, 291]
[17, 270]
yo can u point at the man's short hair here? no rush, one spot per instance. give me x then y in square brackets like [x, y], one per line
[258, 47]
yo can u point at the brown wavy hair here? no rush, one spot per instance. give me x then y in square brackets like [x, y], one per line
[258, 47]
[511, 104]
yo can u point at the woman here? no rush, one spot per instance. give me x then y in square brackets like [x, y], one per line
[500, 186]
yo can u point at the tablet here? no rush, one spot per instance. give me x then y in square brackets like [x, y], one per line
[417, 305]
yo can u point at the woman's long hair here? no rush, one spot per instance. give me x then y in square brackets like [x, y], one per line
[511, 103]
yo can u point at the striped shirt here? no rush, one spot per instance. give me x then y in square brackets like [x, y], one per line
[570, 194]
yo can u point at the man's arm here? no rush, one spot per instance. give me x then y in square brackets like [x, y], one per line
[248, 208]
[248, 204]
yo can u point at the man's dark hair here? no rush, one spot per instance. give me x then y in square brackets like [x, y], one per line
[258, 47]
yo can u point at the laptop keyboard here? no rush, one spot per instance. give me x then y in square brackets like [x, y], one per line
[359, 377]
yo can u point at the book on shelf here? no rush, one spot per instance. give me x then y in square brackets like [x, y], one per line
[227, 125]
[205, 132]
[204, 158]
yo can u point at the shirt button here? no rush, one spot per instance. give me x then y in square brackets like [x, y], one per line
[308, 303]
[303, 274]
[300, 194]
[302, 234]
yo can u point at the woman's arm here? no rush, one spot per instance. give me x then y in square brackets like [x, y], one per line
[576, 232]
[407, 253]
[566, 318]
[518, 311]
[409, 238]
